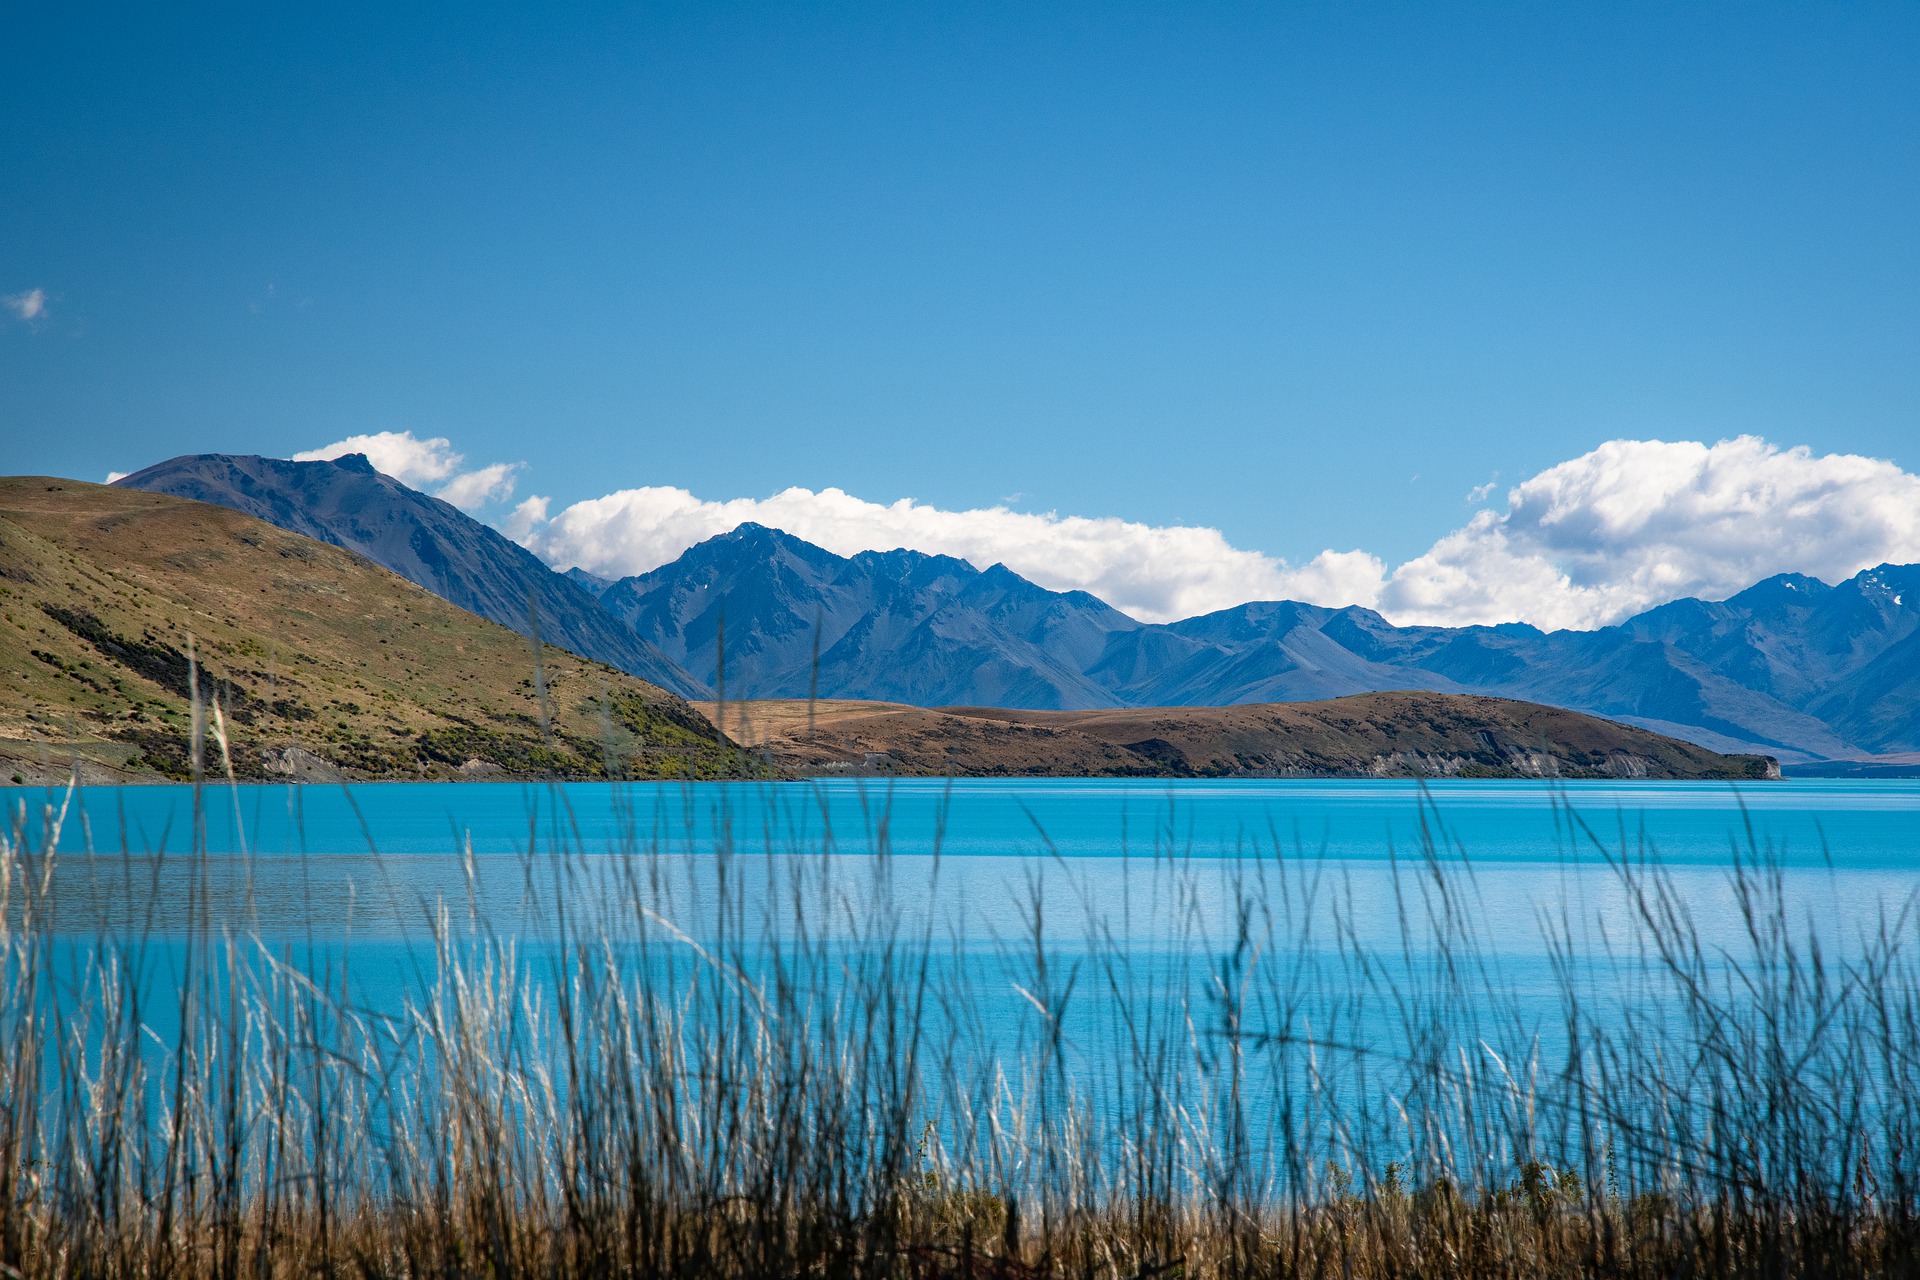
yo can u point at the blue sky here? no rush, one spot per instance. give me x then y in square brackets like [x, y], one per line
[1306, 275]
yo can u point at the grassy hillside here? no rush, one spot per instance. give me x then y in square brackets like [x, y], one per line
[1367, 735]
[113, 602]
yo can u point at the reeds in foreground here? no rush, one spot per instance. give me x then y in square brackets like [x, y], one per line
[731, 1063]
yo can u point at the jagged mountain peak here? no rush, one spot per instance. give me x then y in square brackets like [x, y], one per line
[748, 533]
[592, 583]
[1898, 584]
[746, 540]
[905, 560]
[1257, 621]
[895, 623]
[1781, 591]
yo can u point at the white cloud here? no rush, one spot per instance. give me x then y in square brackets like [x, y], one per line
[30, 305]
[1636, 523]
[475, 489]
[422, 463]
[117, 475]
[1158, 573]
[396, 453]
[521, 522]
[1630, 525]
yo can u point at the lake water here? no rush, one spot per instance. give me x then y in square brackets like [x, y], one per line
[371, 857]
[1046, 915]
[1864, 824]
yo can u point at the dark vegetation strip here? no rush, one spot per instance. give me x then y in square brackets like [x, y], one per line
[149, 657]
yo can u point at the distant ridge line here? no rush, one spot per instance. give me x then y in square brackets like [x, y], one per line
[1790, 667]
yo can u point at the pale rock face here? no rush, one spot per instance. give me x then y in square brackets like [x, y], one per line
[297, 764]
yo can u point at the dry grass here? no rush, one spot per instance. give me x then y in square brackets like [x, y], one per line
[107, 594]
[735, 1063]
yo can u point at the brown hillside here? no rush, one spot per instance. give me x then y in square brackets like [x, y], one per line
[1367, 735]
[323, 664]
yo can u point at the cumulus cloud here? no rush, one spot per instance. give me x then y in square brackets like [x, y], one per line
[1158, 573]
[395, 453]
[424, 463]
[475, 489]
[524, 518]
[113, 476]
[1636, 523]
[28, 306]
[1630, 525]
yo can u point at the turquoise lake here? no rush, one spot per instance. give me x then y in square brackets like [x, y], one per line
[1860, 824]
[371, 856]
[1345, 908]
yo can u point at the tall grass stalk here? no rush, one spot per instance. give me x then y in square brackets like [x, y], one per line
[742, 1059]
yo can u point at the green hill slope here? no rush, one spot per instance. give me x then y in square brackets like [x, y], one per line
[115, 602]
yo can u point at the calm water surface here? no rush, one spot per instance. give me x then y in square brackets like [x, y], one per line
[1174, 883]
[377, 857]
[1855, 824]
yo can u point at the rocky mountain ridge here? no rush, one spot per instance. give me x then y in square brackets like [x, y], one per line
[1792, 667]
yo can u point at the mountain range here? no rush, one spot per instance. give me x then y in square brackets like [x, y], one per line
[134, 625]
[1792, 667]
